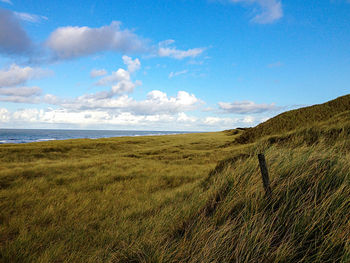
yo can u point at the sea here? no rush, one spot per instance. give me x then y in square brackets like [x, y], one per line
[39, 135]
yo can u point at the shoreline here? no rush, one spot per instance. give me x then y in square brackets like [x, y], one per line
[23, 136]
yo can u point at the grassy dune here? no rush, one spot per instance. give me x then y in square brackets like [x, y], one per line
[295, 119]
[180, 198]
[306, 220]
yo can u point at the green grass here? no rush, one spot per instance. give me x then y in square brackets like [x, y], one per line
[181, 198]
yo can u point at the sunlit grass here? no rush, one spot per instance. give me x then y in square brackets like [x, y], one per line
[83, 200]
[306, 220]
[179, 198]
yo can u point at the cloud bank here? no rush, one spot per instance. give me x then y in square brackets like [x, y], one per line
[72, 42]
[104, 119]
[13, 79]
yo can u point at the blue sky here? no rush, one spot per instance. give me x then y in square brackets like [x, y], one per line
[201, 65]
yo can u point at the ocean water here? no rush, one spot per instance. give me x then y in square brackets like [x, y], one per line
[36, 135]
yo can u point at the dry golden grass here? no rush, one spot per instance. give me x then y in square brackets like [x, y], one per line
[181, 198]
[84, 200]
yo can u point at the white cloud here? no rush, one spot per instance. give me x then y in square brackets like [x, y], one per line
[166, 50]
[115, 100]
[98, 73]
[71, 42]
[92, 118]
[16, 75]
[115, 119]
[270, 10]
[245, 107]
[108, 119]
[157, 102]
[125, 86]
[178, 73]
[13, 38]
[30, 17]
[120, 80]
[116, 76]
[77, 41]
[157, 105]
[133, 65]
[215, 120]
[229, 123]
[183, 117]
[248, 119]
[224, 123]
[27, 115]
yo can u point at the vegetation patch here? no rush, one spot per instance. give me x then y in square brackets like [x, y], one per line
[183, 198]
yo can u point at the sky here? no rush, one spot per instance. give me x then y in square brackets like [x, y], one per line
[186, 65]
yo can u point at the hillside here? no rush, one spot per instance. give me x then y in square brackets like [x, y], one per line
[306, 220]
[182, 198]
[294, 119]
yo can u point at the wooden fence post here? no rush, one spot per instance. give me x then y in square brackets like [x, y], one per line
[265, 174]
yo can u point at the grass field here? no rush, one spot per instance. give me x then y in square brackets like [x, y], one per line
[84, 200]
[180, 198]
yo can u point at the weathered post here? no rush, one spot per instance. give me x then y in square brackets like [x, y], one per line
[264, 174]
